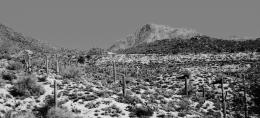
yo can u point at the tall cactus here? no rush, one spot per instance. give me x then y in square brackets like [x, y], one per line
[203, 92]
[114, 70]
[245, 99]
[47, 64]
[186, 86]
[55, 94]
[57, 64]
[223, 97]
[123, 85]
[125, 69]
[28, 62]
[137, 74]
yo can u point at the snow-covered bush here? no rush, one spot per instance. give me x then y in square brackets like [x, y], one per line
[59, 113]
[27, 86]
[13, 65]
[71, 72]
[19, 115]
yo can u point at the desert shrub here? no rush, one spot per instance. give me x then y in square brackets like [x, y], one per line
[167, 94]
[14, 65]
[181, 91]
[2, 83]
[184, 105]
[5, 56]
[129, 99]
[129, 92]
[59, 113]
[92, 105]
[170, 106]
[90, 97]
[21, 115]
[181, 114]
[81, 60]
[141, 112]
[112, 111]
[48, 104]
[212, 114]
[27, 86]
[71, 72]
[106, 102]
[8, 75]
[43, 110]
[104, 93]
[42, 78]
[210, 95]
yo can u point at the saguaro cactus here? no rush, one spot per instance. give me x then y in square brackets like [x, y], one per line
[114, 70]
[223, 97]
[55, 94]
[186, 86]
[47, 64]
[245, 99]
[187, 75]
[57, 64]
[28, 62]
[203, 92]
[123, 85]
[125, 69]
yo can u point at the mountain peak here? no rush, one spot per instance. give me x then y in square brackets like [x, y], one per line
[151, 32]
[166, 32]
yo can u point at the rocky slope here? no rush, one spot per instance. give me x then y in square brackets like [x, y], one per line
[151, 33]
[12, 42]
[160, 39]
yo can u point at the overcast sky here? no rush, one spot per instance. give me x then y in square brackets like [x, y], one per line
[99, 23]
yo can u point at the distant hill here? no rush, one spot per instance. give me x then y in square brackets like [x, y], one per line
[198, 44]
[159, 39]
[13, 42]
[150, 33]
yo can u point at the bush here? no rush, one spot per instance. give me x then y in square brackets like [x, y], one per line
[184, 105]
[20, 115]
[5, 56]
[59, 113]
[104, 93]
[181, 114]
[48, 103]
[8, 75]
[42, 78]
[71, 72]
[129, 99]
[81, 60]
[112, 111]
[14, 66]
[141, 112]
[27, 86]
[170, 106]
[92, 105]
[2, 83]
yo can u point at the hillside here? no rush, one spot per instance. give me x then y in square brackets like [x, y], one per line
[159, 39]
[13, 42]
[150, 33]
[198, 44]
